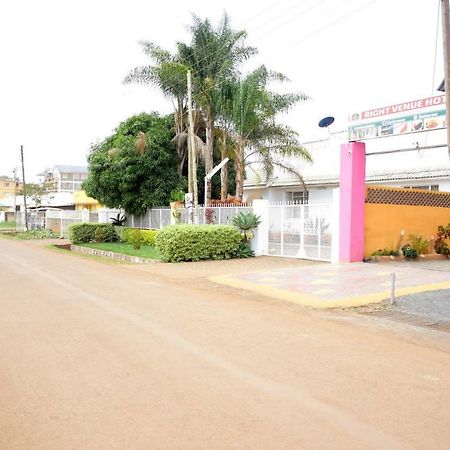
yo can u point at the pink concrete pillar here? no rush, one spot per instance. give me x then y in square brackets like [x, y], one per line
[352, 202]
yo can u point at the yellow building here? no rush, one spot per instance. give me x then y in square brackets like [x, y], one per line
[82, 201]
[8, 186]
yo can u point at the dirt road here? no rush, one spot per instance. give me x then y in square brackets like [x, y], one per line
[96, 356]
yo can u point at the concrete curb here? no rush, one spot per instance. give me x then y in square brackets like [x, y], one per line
[112, 255]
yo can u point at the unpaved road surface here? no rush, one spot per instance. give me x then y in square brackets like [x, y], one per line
[96, 356]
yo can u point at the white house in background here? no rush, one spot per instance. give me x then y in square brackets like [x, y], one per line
[65, 178]
[414, 133]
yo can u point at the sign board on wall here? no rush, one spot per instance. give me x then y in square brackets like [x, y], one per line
[419, 115]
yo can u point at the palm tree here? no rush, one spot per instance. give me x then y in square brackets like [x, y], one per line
[257, 138]
[213, 55]
[169, 75]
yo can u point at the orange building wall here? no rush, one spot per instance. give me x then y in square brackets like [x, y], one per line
[383, 224]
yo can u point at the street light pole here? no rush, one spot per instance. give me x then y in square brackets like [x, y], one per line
[24, 188]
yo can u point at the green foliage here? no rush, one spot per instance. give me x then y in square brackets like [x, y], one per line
[196, 242]
[441, 244]
[120, 176]
[409, 252]
[36, 234]
[147, 236]
[135, 237]
[244, 251]
[99, 234]
[246, 222]
[88, 232]
[384, 252]
[177, 196]
[419, 244]
[119, 220]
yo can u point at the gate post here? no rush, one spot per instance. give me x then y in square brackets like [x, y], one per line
[352, 202]
[260, 243]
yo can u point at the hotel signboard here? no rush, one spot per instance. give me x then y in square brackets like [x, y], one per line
[419, 115]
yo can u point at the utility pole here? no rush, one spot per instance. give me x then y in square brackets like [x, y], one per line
[192, 154]
[24, 189]
[15, 193]
[446, 42]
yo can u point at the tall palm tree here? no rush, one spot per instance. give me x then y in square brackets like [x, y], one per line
[169, 75]
[257, 138]
[214, 56]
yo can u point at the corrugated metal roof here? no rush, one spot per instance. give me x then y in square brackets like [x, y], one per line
[414, 174]
[71, 169]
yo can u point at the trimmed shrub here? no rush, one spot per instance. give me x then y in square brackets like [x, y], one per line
[148, 236]
[195, 242]
[136, 238]
[88, 232]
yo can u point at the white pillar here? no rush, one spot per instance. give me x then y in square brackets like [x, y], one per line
[335, 217]
[85, 215]
[260, 243]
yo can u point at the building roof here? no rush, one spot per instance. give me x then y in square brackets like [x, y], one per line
[375, 176]
[71, 169]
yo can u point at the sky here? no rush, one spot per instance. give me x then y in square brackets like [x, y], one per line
[63, 63]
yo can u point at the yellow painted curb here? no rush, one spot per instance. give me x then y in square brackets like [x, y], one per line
[318, 302]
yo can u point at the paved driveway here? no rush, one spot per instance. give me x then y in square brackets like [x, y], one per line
[97, 356]
[342, 285]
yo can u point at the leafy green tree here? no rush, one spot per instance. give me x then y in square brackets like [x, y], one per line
[136, 167]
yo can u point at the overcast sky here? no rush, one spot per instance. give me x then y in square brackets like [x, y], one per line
[63, 62]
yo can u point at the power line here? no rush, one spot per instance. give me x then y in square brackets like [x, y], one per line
[330, 24]
[435, 47]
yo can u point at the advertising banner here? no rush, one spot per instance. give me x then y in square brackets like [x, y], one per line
[424, 115]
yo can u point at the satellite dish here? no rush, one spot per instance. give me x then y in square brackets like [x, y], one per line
[326, 122]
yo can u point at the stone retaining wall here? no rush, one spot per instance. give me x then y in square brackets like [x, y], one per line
[112, 255]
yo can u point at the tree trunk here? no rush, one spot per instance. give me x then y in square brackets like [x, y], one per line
[224, 171]
[180, 128]
[240, 171]
[209, 163]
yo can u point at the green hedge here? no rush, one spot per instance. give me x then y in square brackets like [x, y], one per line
[90, 232]
[195, 242]
[148, 236]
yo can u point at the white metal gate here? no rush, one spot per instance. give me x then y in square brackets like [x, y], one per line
[300, 230]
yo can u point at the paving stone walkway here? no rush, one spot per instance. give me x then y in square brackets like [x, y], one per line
[343, 285]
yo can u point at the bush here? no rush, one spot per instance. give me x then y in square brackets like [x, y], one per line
[246, 222]
[440, 245]
[135, 237]
[195, 242]
[409, 252]
[384, 252]
[419, 244]
[89, 232]
[148, 236]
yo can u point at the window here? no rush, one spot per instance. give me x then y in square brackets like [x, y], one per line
[66, 186]
[300, 197]
[6, 184]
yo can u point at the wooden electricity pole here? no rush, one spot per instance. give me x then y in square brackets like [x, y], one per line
[24, 189]
[446, 42]
[192, 154]
[15, 193]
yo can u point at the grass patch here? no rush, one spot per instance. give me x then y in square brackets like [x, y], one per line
[7, 225]
[146, 251]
